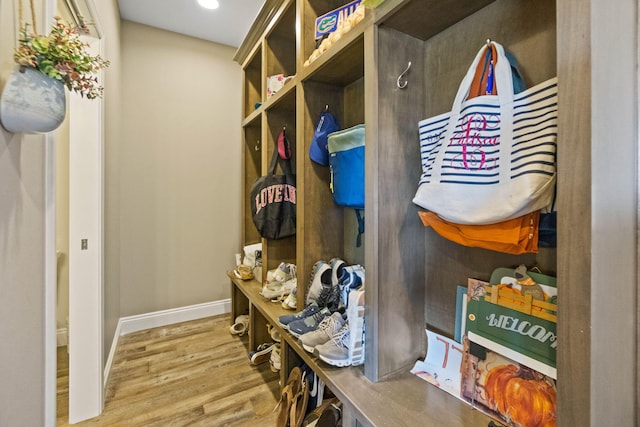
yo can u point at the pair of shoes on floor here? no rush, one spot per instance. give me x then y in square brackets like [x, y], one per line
[240, 326]
[345, 347]
[262, 353]
[280, 282]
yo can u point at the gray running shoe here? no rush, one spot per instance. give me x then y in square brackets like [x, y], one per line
[346, 347]
[319, 280]
[328, 327]
[308, 324]
[336, 351]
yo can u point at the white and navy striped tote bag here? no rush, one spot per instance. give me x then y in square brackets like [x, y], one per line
[492, 158]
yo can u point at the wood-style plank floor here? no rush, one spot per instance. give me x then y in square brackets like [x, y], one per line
[188, 374]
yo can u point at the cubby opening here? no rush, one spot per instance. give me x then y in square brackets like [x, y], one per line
[280, 45]
[252, 170]
[253, 83]
[280, 116]
[330, 230]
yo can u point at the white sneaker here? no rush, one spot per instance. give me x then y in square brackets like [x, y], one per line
[291, 301]
[355, 315]
[240, 326]
[274, 359]
[328, 327]
[283, 273]
[277, 290]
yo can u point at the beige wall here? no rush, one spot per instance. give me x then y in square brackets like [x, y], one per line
[179, 170]
[110, 22]
[22, 260]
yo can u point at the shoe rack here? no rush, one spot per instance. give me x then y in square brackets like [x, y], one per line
[411, 272]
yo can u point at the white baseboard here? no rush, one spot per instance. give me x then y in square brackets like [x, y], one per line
[62, 337]
[140, 322]
[156, 319]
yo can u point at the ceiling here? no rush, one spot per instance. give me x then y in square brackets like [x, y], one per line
[226, 25]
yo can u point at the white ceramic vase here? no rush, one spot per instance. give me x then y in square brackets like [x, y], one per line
[32, 102]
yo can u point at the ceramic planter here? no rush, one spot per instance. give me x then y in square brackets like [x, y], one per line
[32, 102]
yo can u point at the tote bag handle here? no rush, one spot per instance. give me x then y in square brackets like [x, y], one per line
[504, 84]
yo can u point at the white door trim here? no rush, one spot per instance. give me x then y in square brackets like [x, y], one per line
[86, 200]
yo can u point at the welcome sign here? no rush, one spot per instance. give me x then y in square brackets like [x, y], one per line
[328, 22]
[527, 336]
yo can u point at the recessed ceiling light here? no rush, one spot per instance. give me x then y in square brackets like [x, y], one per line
[209, 4]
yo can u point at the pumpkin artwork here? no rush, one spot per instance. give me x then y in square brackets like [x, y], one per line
[521, 395]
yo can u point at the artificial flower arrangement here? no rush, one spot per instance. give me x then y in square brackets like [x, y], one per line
[63, 56]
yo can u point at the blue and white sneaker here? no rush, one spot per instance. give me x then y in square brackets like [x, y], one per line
[354, 279]
[338, 272]
[309, 310]
[309, 323]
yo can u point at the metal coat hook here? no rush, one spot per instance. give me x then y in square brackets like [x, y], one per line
[326, 108]
[257, 147]
[402, 84]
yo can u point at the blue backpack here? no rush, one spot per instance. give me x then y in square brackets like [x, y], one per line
[346, 159]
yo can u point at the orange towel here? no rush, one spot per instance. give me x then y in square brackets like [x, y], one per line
[515, 236]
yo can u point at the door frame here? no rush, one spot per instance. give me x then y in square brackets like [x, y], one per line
[86, 262]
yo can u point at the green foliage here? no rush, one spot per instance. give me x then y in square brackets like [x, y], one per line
[62, 55]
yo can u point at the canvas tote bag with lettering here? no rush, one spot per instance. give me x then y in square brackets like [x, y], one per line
[273, 197]
[492, 157]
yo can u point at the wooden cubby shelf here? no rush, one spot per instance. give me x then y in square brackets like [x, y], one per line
[411, 272]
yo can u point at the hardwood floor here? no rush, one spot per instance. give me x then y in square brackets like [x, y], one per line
[188, 374]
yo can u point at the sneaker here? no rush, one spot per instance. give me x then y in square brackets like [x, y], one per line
[262, 354]
[329, 297]
[328, 327]
[284, 320]
[240, 326]
[283, 273]
[355, 314]
[346, 347]
[336, 351]
[291, 301]
[274, 358]
[278, 290]
[309, 323]
[338, 272]
[319, 280]
[354, 279]
[275, 335]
